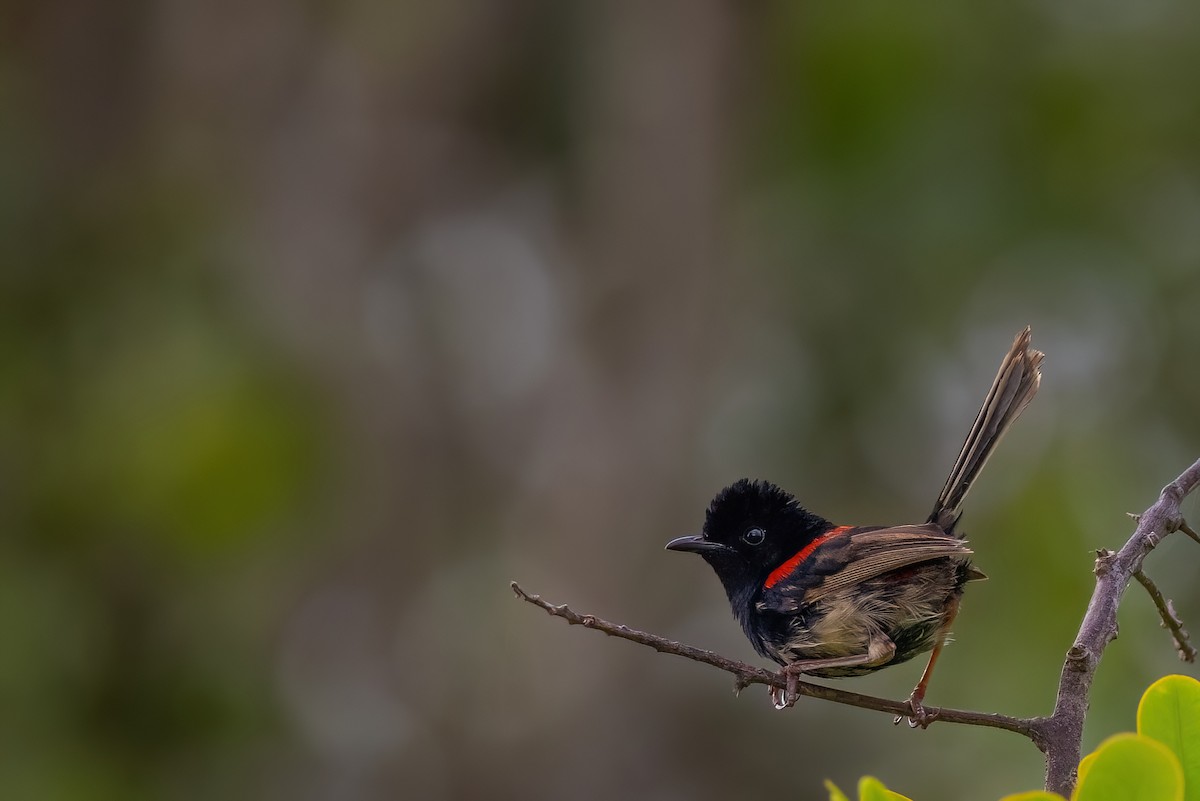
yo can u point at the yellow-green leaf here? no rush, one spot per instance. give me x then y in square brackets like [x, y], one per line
[1085, 765]
[1170, 713]
[834, 793]
[1131, 767]
[871, 789]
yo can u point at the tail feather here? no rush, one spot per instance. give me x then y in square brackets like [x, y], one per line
[1015, 385]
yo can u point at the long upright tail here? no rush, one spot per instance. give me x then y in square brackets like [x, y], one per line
[1015, 385]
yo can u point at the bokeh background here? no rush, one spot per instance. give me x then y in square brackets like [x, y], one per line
[320, 322]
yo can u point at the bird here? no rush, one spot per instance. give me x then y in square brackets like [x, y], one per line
[832, 600]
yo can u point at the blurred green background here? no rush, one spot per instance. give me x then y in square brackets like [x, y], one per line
[320, 322]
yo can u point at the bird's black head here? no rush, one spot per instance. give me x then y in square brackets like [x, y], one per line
[751, 528]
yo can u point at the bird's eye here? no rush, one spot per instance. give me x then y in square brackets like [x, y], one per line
[754, 536]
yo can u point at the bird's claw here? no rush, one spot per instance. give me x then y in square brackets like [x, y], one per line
[782, 699]
[917, 715]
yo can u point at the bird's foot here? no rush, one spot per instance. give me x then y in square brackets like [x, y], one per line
[782, 699]
[917, 715]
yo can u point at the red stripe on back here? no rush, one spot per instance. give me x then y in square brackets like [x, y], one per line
[785, 570]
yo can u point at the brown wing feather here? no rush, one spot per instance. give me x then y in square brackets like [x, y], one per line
[874, 553]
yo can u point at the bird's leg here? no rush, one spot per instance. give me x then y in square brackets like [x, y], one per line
[917, 715]
[880, 650]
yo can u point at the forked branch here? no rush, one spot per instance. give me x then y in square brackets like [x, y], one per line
[1113, 571]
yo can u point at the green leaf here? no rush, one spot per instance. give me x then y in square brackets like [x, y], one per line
[1170, 713]
[1131, 767]
[1034, 795]
[834, 793]
[1085, 765]
[871, 789]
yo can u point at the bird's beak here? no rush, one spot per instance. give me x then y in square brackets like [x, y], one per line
[696, 544]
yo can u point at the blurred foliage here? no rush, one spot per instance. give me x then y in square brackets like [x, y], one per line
[869, 789]
[320, 322]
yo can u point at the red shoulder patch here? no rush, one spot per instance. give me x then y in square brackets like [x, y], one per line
[785, 569]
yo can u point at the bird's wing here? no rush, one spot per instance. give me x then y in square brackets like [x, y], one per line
[855, 555]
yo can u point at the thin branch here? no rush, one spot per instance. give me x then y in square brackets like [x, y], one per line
[1170, 620]
[745, 675]
[1186, 529]
[1099, 627]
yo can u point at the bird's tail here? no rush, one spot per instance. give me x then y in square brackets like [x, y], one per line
[1015, 385]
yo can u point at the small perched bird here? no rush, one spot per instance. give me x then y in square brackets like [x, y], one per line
[830, 601]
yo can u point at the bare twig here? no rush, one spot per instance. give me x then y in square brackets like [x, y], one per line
[1058, 736]
[744, 674]
[1099, 627]
[1170, 620]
